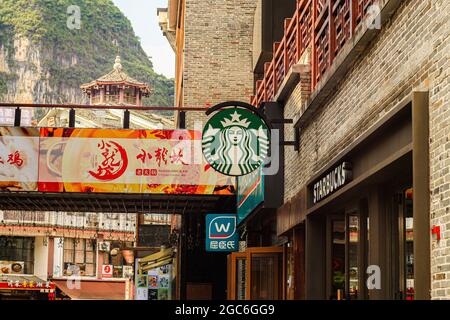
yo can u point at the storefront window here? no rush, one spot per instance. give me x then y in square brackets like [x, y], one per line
[115, 258]
[265, 278]
[241, 287]
[81, 254]
[338, 259]
[367, 254]
[16, 255]
[409, 244]
[353, 250]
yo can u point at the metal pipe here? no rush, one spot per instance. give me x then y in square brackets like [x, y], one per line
[84, 106]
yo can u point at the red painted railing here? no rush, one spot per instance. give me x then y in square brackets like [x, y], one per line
[325, 26]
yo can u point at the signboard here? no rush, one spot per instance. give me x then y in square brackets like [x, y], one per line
[250, 193]
[127, 272]
[107, 271]
[142, 281]
[160, 283]
[332, 181]
[221, 233]
[141, 294]
[235, 141]
[141, 284]
[110, 161]
[25, 284]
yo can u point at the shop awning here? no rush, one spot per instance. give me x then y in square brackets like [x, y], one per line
[94, 290]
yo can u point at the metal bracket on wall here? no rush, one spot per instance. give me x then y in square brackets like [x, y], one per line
[296, 142]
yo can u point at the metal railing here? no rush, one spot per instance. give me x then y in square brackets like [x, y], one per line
[325, 26]
[17, 108]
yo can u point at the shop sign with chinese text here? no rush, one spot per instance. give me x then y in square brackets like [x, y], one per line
[110, 161]
[221, 233]
[25, 284]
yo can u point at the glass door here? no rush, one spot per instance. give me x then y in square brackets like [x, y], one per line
[402, 254]
[266, 282]
[353, 254]
[337, 258]
[237, 275]
[348, 256]
[406, 243]
[256, 274]
[409, 245]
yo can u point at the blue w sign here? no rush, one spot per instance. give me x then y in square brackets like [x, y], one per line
[221, 233]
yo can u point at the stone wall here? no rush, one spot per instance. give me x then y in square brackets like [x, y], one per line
[410, 53]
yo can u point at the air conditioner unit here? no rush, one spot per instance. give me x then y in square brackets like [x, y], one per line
[104, 246]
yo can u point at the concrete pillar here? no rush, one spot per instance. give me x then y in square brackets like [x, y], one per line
[138, 97]
[102, 95]
[315, 269]
[378, 242]
[99, 258]
[41, 257]
[421, 196]
[121, 94]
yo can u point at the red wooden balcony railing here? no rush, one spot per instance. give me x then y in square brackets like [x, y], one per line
[325, 26]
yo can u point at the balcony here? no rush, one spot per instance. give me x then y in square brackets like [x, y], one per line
[287, 52]
[268, 28]
[325, 35]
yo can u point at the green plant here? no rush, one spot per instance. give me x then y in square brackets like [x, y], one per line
[76, 56]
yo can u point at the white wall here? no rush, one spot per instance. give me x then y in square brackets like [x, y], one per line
[58, 258]
[41, 257]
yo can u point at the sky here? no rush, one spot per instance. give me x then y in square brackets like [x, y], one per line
[143, 17]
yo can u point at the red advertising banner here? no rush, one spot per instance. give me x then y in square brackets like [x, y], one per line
[27, 285]
[110, 161]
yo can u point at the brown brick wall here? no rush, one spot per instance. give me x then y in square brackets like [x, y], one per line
[218, 53]
[411, 52]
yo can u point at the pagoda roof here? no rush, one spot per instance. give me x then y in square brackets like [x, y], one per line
[117, 76]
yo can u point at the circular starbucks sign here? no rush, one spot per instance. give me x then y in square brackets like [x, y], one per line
[235, 141]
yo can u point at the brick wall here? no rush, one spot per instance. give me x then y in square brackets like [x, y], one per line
[411, 52]
[218, 53]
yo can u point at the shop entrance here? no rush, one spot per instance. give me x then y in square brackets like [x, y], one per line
[256, 274]
[347, 244]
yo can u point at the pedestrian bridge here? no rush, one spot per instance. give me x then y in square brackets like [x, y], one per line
[119, 170]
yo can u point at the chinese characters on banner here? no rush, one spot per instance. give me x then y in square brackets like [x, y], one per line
[29, 284]
[102, 160]
[19, 151]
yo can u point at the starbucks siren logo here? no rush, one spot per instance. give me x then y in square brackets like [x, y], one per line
[235, 141]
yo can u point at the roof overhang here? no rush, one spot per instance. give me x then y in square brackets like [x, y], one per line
[117, 203]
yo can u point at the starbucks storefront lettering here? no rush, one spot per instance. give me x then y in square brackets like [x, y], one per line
[332, 181]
